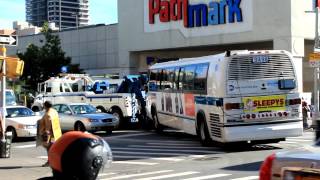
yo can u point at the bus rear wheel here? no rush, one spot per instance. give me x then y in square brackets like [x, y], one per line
[204, 135]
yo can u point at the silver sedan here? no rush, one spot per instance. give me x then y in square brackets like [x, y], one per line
[84, 117]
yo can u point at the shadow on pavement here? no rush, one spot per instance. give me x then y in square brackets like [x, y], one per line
[255, 166]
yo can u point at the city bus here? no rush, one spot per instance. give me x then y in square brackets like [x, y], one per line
[239, 96]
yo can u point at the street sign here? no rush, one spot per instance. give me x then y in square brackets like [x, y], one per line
[314, 59]
[8, 40]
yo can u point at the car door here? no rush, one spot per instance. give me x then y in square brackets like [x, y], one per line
[67, 117]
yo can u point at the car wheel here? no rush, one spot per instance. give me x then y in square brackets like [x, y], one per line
[14, 133]
[204, 134]
[118, 114]
[79, 127]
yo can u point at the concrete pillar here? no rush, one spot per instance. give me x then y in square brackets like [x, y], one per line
[295, 45]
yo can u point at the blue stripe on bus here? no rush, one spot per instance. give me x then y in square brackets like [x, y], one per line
[212, 101]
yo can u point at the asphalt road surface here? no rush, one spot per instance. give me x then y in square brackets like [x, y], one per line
[146, 155]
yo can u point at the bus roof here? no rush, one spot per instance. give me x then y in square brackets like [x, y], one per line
[216, 57]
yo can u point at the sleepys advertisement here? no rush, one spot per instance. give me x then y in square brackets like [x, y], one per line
[264, 103]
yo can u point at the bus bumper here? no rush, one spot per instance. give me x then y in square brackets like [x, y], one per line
[262, 132]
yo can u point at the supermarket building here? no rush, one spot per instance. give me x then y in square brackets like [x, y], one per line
[150, 31]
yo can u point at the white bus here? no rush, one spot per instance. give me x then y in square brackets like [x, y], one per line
[241, 96]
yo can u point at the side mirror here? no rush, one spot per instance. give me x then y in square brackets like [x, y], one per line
[31, 95]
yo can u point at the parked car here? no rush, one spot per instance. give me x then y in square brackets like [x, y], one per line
[84, 117]
[303, 163]
[21, 121]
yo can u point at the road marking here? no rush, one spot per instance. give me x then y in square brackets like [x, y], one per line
[168, 159]
[148, 157]
[136, 175]
[25, 146]
[174, 144]
[166, 150]
[170, 175]
[42, 157]
[105, 174]
[247, 178]
[135, 163]
[127, 135]
[300, 140]
[150, 153]
[208, 177]
[173, 147]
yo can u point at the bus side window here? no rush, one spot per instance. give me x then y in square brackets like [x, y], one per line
[181, 78]
[170, 79]
[200, 79]
[189, 78]
[153, 80]
[176, 79]
[165, 84]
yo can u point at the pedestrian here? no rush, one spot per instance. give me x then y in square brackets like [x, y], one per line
[305, 110]
[49, 127]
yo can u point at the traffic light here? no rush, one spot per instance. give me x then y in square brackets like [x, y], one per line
[14, 67]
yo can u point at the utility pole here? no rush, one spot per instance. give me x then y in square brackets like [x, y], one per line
[60, 15]
[315, 122]
[3, 91]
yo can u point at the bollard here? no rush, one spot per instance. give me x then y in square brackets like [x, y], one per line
[5, 146]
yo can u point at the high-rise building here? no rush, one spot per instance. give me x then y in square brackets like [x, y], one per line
[64, 13]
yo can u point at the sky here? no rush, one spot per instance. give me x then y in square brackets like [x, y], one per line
[100, 11]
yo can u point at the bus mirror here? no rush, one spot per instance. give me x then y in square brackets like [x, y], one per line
[219, 102]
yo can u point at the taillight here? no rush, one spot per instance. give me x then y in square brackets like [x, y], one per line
[266, 167]
[294, 101]
[230, 106]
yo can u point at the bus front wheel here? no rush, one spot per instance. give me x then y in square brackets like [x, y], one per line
[204, 134]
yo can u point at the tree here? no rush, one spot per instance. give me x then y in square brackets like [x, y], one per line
[44, 62]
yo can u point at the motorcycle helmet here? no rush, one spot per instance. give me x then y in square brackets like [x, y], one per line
[78, 155]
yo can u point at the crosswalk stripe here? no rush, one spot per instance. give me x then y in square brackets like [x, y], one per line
[105, 174]
[173, 147]
[173, 144]
[25, 146]
[136, 175]
[150, 153]
[300, 140]
[170, 175]
[168, 159]
[208, 177]
[166, 150]
[148, 157]
[135, 163]
[247, 178]
[127, 135]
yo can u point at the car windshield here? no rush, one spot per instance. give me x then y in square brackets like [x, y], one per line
[19, 112]
[83, 109]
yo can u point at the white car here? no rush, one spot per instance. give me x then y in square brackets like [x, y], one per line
[21, 121]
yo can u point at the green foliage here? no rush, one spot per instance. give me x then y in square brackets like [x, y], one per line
[44, 62]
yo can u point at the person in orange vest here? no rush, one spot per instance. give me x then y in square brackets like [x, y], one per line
[49, 127]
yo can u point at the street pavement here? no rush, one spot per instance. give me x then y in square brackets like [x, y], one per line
[147, 155]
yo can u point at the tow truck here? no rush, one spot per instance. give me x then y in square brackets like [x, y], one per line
[81, 88]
